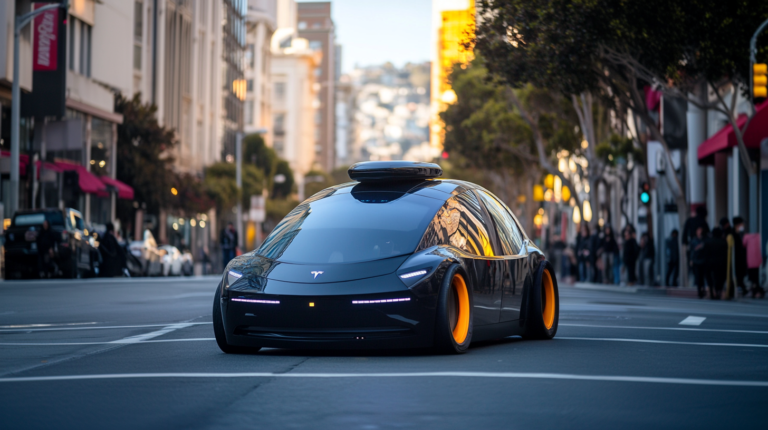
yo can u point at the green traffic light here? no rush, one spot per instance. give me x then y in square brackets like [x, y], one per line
[645, 197]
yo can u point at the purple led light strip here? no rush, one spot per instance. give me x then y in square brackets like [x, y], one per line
[269, 302]
[365, 302]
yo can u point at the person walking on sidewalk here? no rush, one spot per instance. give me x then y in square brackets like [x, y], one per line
[738, 270]
[647, 256]
[699, 262]
[751, 243]
[228, 243]
[672, 256]
[717, 250]
[583, 252]
[610, 254]
[629, 255]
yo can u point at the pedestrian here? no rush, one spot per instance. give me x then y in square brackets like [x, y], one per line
[583, 251]
[594, 255]
[672, 257]
[111, 254]
[610, 253]
[46, 251]
[647, 256]
[205, 259]
[699, 260]
[228, 242]
[629, 255]
[739, 256]
[698, 219]
[751, 243]
[718, 259]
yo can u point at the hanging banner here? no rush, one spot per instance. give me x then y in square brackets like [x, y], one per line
[46, 29]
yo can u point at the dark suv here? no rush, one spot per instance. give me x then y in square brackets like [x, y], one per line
[76, 254]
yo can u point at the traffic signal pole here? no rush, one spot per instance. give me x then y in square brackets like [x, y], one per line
[20, 22]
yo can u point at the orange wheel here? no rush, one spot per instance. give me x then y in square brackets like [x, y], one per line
[458, 308]
[547, 300]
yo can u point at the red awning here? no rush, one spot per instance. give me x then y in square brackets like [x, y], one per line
[23, 161]
[123, 191]
[87, 181]
[726, 139]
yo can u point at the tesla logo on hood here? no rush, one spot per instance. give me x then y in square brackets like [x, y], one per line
[316, 273]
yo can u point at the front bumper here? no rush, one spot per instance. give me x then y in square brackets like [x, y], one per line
[395, 319]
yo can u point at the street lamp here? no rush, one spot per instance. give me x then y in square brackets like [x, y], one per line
[20, 22]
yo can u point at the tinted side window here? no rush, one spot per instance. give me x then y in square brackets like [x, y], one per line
[509, 235]
[459, 223]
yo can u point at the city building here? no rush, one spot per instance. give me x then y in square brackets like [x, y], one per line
[69, 128]
[294, 95]
[315, 25]
[233, 68]
[177, 54]
[261, 23]
[451, 25]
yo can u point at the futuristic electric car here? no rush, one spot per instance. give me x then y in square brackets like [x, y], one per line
[398, 259]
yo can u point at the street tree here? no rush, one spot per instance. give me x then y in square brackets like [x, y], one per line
[144, 149]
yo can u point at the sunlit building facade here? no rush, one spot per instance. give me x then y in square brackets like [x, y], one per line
[452, 27]
[233, 73]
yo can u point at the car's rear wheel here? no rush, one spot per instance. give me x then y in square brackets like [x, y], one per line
[218, 330]
[453, 329]
[543, 307]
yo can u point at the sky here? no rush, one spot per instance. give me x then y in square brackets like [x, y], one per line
[377, 31]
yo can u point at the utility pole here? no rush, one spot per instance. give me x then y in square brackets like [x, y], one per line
[239, 176]
[20, 22]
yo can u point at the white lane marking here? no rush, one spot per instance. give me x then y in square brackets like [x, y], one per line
[499, 375]
[663, 341]
[95, 328]
[692, 320]
[196, 339]
[45, 325]
[142, 337]
[664, 328]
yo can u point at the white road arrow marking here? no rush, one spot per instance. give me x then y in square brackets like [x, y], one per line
[692, 320]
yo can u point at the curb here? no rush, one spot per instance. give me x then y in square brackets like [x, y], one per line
[691, 293]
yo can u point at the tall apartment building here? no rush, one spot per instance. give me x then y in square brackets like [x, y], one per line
[294, 95]
[315, 25]
[261, 23]
[450, 28]
[177, 64]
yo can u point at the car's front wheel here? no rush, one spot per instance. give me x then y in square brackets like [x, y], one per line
[453, 329]
[543, 307]
[218, 330]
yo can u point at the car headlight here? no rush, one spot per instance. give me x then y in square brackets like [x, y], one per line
[231, 277]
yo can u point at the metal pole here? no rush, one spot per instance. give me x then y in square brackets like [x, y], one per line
[20, 22]
[239, 178]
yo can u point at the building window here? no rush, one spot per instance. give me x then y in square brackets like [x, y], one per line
[278, 123]
[318, 71]
[249, 112]
[279, 90]
[249, 85]
[302, 25]
[279, 146]
[250, 55]
[79, 55]
[138, 31]
[318, 117]
[316, 45]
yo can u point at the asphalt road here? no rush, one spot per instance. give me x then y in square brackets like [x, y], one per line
[140, 354]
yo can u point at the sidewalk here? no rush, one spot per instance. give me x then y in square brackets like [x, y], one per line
[638, 289]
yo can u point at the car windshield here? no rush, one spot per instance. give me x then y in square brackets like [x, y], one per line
[344, 229]
[54, 218]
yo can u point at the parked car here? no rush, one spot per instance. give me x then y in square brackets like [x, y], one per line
[172, 261]
[75, 252]
[147, 254]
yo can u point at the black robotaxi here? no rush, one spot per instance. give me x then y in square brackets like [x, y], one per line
[397, 259]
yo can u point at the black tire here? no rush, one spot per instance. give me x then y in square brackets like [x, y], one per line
[218, 330]
[543, 307]
[454, 326]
